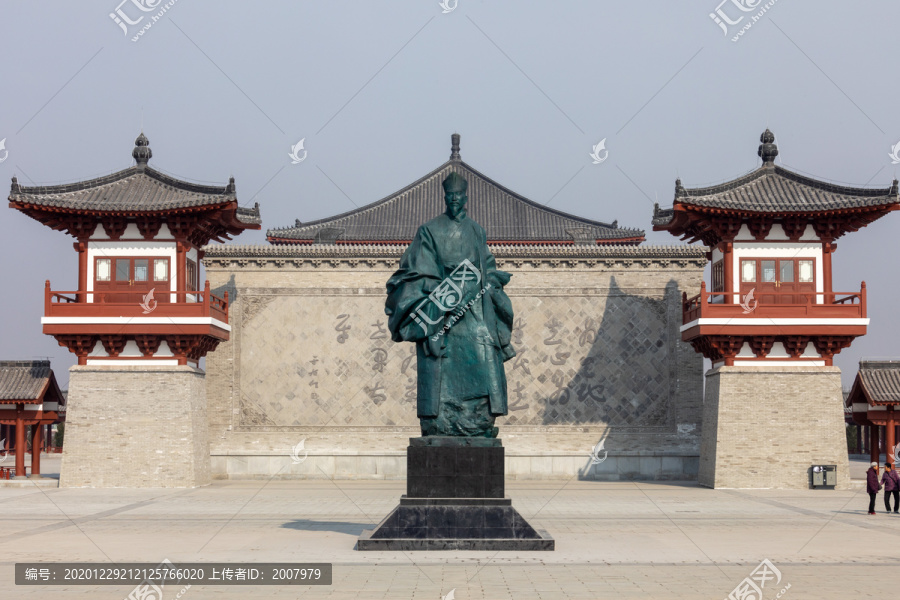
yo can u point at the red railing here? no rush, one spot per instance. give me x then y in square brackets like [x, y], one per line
[102, 303]
[845, 305]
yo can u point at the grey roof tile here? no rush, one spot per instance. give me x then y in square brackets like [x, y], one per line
[774, 189]
[134, 189]
[505, 216]
[880, 380]
[26, 379]
[249, 215]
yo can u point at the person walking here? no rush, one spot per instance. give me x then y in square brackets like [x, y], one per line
[891, 482]
[872, 485]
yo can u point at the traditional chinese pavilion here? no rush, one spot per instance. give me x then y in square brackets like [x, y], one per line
[139, 321]
[771, 307]
[139, 234]
[772, 233]
[874, 401]
[29, 396]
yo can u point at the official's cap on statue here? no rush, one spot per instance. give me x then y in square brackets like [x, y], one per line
[454, 183]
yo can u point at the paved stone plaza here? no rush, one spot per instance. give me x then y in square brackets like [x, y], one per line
[613, 539]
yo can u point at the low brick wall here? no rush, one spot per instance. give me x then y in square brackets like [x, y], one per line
[518, 467]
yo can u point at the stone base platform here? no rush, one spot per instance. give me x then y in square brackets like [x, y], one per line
[455, 501]
[30, 482]
[766, 426]
[455, 524]
[136, 426]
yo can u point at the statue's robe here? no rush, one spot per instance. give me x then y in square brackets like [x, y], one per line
[466, 360]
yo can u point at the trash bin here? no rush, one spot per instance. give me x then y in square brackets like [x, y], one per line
[823, 476]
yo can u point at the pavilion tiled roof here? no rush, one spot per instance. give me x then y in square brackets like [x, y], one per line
[27, 380]
[132, 189]
[136, 189]
[772, 189]
[505, 215]
[877, 382]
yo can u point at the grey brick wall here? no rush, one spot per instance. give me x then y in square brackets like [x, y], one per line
[765, 426]
[136, 427]
[600, 358]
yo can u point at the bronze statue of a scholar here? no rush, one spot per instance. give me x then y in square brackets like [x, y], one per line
[447, 297]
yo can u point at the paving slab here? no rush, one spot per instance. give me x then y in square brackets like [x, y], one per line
[613, 539]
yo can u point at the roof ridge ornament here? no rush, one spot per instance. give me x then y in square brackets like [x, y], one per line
[767, 149]
[142, 153]
[454, 147]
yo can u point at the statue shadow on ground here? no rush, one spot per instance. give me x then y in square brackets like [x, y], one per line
[628, 375]
[350, 528]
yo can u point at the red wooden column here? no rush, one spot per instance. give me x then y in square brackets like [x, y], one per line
[827, 249]
[728, 271]
[36, 430]
[889, 439]
[20, 441]
[81, 247]
[873, 443]
[181, 266]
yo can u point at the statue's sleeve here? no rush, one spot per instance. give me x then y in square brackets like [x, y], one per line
[503, 310]
[419, 274]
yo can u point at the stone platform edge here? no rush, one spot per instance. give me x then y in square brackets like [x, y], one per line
[392, 466]
[44, 482]
[433, 524]
[545, 544]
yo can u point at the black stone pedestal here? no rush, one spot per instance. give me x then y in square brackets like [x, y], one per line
[446, 467]
[455, 501]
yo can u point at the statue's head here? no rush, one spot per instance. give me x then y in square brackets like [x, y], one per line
[455, 194]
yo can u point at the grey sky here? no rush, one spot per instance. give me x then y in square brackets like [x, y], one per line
[376, 89]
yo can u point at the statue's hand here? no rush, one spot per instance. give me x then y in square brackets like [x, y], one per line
[432, 346]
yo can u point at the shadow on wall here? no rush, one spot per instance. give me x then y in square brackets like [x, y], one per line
[599, 454]
[628, 375]
[626, 379]
[230, 287]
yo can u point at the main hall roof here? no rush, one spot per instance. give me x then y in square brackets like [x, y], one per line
[506, 216]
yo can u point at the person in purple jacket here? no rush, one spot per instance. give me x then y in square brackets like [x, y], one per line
[872, 486]
[891, 487]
